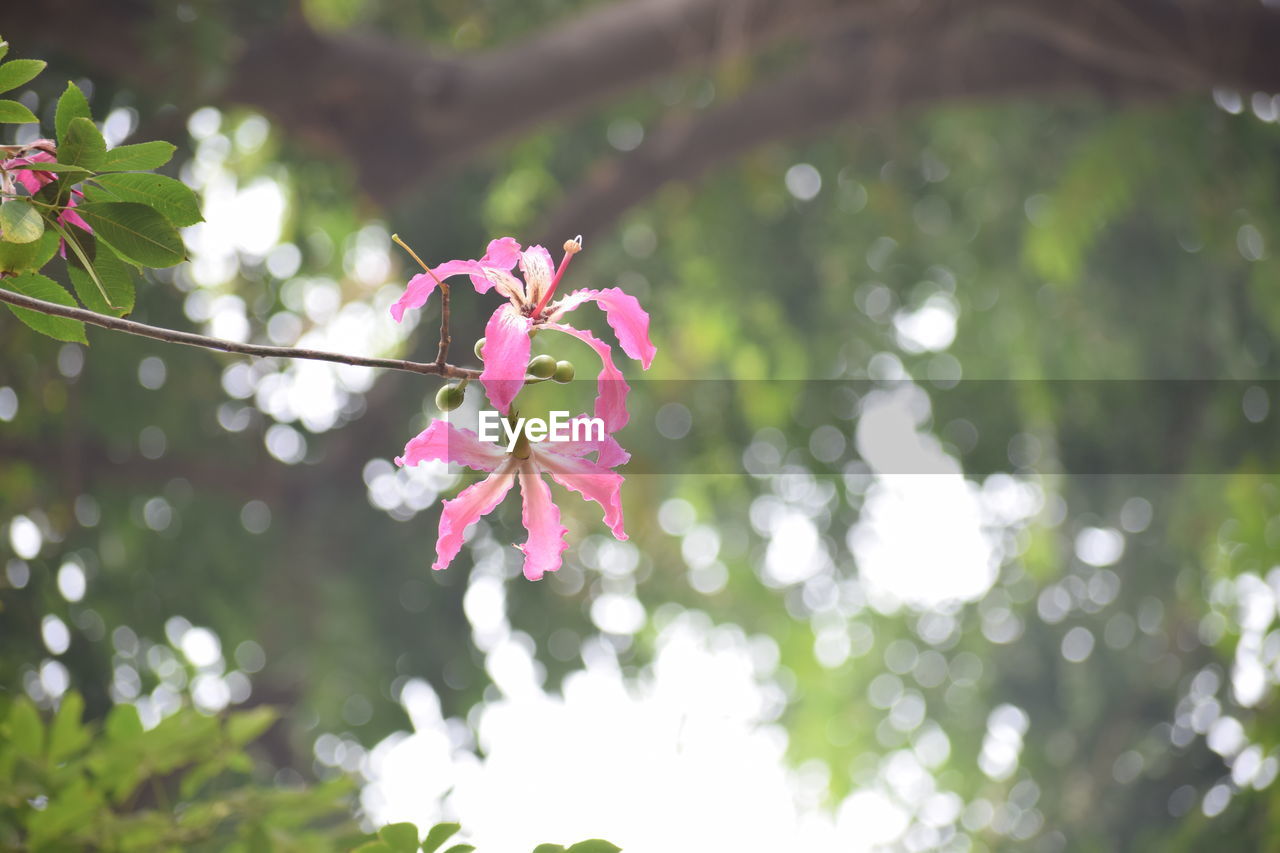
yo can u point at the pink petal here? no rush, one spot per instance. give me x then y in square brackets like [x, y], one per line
[491, 270]
[506, 355]
[499, 257]
[415, 295]
[628, 320]
[594, 482]
[609, 453]
[501, 253]
[443, 441]
[70, 217]
[611, 395]
[542, 519]
[30, 179]
[466, 509]
[538, 268]
[501, 281]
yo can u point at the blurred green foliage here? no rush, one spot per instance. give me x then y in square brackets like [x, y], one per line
[1072, 241]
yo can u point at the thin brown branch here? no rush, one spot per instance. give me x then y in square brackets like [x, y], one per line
[190, 339]
[442, 354]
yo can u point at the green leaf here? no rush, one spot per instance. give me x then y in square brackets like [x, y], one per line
[14, 74]
[83, 145]
[138, 157]
[123, 723]
[73, 104]
[67, 734]
[62, 328]
[21, 257]
[594, 845]
[549, 848]
[26, 731]
[438, 835]
[245, 726]
[115, 278]
[4, 49]
[135, 231]
[75, 806]
[461, 848]
[82, 246]
[173, 199]
[401, 837]
[374, 847]
[12, 112]
[20, 222]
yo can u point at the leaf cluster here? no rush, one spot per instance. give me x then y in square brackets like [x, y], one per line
[104, 210]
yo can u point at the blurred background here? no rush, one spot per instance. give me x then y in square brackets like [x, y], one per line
[954, 501]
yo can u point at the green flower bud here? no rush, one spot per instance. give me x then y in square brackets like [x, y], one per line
[449, 397]
[479, 349]
[564, 372]
[542, 367]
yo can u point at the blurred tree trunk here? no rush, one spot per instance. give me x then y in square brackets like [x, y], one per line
[402, 112]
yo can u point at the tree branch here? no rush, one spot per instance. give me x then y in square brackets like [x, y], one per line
[417, 111]
[194, 340]
[993, 52]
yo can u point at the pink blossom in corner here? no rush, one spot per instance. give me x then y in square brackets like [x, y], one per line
[565, 462]
[33, 180]
[507, 345]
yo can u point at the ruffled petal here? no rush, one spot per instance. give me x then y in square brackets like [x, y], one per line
[501, 281]
[609, 453]
[506, 355]
[538, 269]
[628, 320]
[495, 268]
[542, 519]
[490, 271]
[502, 253]
[594, 482]
[466, 509]
[445, 442]
[611, 394]
[31, 179]
[70, 217]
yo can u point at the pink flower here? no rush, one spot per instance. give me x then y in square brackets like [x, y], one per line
[564, 461]
[33, 180]
[529, 307]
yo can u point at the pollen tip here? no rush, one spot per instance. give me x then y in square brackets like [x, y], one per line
[573, 246]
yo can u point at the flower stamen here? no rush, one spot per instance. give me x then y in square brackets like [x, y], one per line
[395, 238]
[571, 248]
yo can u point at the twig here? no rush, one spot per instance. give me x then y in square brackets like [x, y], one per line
[445, 340]
[443, 353]
[190, 339]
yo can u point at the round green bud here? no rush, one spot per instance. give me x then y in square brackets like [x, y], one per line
[564, 372]
[479, 349]
[542, 367]
[449, 397]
